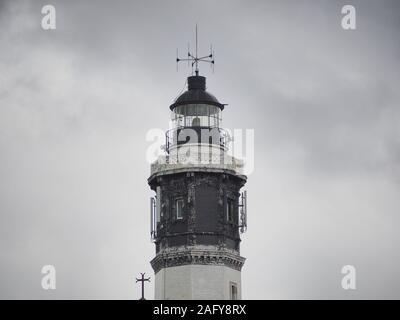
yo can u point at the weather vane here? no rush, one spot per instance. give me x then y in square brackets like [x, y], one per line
[195, 59]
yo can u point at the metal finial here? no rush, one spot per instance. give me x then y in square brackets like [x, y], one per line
[195, 59]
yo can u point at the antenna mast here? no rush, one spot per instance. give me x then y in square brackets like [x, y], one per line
[195, 59]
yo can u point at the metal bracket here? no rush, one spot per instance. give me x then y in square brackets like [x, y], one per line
[243, 212]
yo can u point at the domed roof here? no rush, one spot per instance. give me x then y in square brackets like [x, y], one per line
[196, 93]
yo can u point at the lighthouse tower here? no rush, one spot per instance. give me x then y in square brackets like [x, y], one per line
[198, 211]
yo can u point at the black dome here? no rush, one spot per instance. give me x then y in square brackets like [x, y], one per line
[196, 93]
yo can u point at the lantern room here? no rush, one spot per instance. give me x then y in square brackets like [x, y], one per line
[196, 113]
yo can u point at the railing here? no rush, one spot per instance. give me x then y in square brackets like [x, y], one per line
[192, 135]
[174, 162]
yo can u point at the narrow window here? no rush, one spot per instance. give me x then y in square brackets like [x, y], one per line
[229, 210]
[233, 291]
[179, 209]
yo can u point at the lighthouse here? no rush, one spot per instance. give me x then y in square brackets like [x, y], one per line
[198, 210]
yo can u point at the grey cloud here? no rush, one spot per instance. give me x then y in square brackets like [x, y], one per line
[76, 103]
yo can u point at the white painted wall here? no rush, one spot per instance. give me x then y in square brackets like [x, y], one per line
[196, 282]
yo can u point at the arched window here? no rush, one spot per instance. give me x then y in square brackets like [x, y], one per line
[196, 122]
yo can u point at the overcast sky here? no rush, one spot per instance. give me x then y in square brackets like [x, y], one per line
[76, 104]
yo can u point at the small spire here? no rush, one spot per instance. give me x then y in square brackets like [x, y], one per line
[195, 59]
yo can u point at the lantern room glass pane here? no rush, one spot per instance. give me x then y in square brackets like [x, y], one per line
[193, 115]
